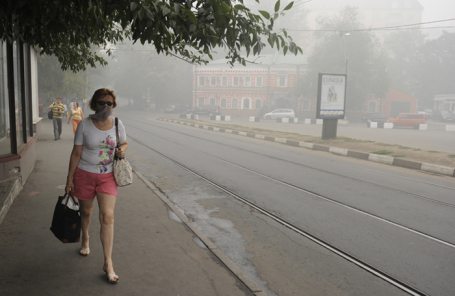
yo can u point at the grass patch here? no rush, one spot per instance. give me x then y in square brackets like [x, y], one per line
[385, 144]
[403, 147]
[417, 149]
[399, 155]
[383, 152]
[451, 156]
[432, 151]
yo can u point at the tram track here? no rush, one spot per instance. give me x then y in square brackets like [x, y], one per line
[327, 245]
[349, 178]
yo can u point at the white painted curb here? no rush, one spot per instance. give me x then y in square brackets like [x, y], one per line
[338, 151]
[380, 158]
[437, 169]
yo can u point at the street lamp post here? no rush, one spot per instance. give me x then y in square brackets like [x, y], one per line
[345, 53]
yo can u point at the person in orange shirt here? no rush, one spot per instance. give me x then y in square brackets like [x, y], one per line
[76, 114]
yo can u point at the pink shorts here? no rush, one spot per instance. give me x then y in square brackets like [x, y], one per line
[87, 184]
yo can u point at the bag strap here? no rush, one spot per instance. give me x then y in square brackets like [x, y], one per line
[116, 131]
[118, 138]
[72, 197]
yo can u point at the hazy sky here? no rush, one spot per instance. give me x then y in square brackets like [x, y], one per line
[438, 10]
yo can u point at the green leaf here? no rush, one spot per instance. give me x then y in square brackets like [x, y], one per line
[191, 16]
[289, 6]
[239, 7]
[133, 6]
[285, 50]
[265, 14]
[277, 6]
[165, 10]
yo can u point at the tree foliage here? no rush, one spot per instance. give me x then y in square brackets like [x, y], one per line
[188, 29]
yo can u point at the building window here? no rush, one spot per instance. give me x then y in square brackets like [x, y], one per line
[235, 81]
[235, 104]
[259, 81]
[200, 102]
[201, 80]
[282, 80]
[223, 103]
[212, 101]
[224, 81]
[245, 103]
[306, 105]
[372, 107]
[258, 104]
[247, 81]
[5, 139]
[213, 80]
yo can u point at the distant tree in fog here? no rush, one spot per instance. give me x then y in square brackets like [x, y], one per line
[54, 81]
[436, 69]
[136, 71]
[404, 58]
[366, 60]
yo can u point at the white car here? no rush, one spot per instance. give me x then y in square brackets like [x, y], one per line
[280, 113]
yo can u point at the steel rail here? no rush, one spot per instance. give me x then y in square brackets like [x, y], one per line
[350, 258]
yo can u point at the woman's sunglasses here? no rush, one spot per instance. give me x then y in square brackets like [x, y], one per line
[102, 103]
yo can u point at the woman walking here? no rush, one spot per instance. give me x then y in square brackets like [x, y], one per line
[90, 172]
[76, 114]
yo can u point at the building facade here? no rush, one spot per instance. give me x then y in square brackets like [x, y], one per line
[248, 91]
[444, 102]
[19, 110]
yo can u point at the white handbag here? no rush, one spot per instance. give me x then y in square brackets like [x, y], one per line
[123, 172]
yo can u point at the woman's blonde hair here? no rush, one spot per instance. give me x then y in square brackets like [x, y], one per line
[101, 93]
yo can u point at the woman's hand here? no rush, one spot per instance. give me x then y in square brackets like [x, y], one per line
[69, 186]
[119, 152]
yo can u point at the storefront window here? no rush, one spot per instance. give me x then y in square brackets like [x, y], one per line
[5, 139]
[17, 95]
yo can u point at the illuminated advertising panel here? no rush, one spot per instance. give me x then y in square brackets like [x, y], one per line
[331, 96]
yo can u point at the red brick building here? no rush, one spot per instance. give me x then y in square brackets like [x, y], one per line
[394, 103]
[244, 91]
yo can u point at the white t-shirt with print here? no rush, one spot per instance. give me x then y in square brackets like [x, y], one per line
[99, 146]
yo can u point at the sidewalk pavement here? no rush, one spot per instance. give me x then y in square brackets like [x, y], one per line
[153, 255]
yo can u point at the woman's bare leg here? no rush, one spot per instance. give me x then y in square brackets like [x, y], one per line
[86, 207]
[106, 204]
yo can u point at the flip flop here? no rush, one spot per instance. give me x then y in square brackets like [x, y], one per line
[111, 278]
[86, 250]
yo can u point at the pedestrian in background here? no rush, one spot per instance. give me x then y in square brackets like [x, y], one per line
[65, 112]
[90, 172]
[58, 110]
[76, 114]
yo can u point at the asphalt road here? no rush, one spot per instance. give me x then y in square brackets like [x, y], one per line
[397, 220]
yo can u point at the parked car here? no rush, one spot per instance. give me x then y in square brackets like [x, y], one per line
[170, 109]
[205, 110]
[375, 117]
[407, 120]
[280, 113]
[443, 115]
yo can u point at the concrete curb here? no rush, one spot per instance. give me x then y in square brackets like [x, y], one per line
[243, 277]
[409, 164]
